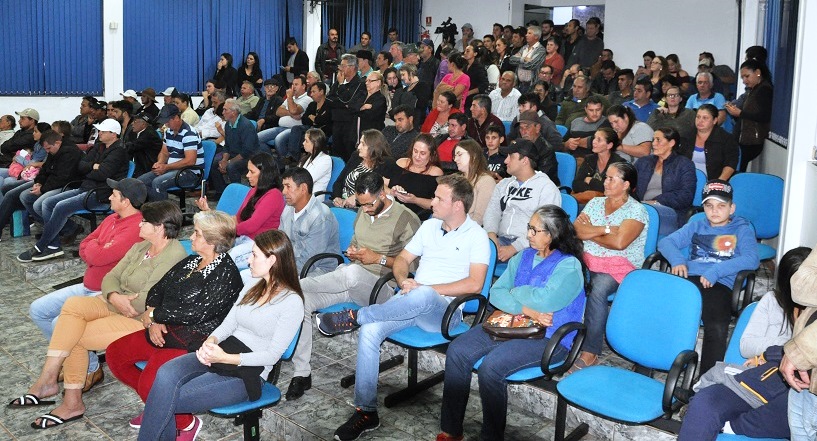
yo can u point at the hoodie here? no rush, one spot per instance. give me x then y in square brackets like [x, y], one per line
[513, 203]
[717, 253]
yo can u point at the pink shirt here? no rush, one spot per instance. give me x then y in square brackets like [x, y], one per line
[463, 79]
[267, 214]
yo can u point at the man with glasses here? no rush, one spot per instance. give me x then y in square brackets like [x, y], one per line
[382, 229]
[345, 99]
[642, 104]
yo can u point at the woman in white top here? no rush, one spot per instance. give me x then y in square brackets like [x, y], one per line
[316, 161]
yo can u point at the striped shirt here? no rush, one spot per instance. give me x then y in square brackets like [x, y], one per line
[178, 143]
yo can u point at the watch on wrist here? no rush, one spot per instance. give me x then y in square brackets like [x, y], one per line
[150, 315]
[606, 229]
[383, 260]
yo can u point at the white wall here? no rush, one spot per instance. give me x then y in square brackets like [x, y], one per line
[481, 14]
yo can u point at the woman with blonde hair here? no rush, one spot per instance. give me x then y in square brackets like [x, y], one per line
[372, 113]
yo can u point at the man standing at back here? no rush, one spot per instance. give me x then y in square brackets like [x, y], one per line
[345, 97]
[328, 55]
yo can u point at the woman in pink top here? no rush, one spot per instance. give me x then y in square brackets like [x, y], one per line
[457, 81]
[261, 209]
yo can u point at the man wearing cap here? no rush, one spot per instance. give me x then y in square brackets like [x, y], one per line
[427, 69]
[481, 119]
[182, 148]
[264, 111]
[504, 98]
[516, 198]
[99, 113]
[297, 63]
[143, 144]
[240, 144]
[105, 159]
[101, 250]
[364, 63]
[327, 57]
[411, 54]
[80, 127]
[396, 50]
[530, 101]
[22, 139]
[148, 99]
[364, 45]
[168, 95]
[530, 129]
[131, 97]
[467, 36]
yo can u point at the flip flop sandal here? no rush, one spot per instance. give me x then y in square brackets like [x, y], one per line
[581, 364]
[29, 400]
[57, 421]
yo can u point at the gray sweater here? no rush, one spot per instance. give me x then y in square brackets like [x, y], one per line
[267, 330]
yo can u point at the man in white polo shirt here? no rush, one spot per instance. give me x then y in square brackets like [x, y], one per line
[290, 115]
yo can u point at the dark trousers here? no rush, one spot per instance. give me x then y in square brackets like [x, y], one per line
[344, 139]
[716, 312]
[747, 154]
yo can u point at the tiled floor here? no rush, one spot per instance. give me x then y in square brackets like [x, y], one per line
[313, 417]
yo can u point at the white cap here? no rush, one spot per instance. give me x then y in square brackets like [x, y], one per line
[109, 125]
[130, 93]
[169, 91]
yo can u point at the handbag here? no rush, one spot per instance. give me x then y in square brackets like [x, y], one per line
[250, 375]
[501, 325]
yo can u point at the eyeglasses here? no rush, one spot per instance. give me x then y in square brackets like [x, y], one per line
[367, 205]
[673, 95]
[534, 231]
[373, 81]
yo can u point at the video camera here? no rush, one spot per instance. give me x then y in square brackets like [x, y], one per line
[448, 29]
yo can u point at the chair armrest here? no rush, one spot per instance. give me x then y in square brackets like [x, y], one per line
[567, 189]
[684, 364]
[319, 193]
[189, 170]
[452, 309]
[742, 297]
[71, 185]
[318, 257]
[653, 258]
[92, 194]
[553, 343]
[379, 285]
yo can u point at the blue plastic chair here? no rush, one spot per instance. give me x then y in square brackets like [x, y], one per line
[566, 171]
[337, 167]
[507, 125]
[733, 350]
[655, 332]
[415, 339]
[759, 199]
[727, 437]
[571, 206]
[232, 198]
[562, 129]
[203, 170]
[700, 181]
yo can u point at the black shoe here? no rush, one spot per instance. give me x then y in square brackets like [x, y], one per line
[69, 239]
[334, 323]
[360, 423]
[49, 253]
[297, 387]
[26, 256]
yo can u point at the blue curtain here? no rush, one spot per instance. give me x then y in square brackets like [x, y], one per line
[181, 46]
[781, 42]
[404, 15]
[352, 17]
[53, 47]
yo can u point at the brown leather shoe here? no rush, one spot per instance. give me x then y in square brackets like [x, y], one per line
[93, 379]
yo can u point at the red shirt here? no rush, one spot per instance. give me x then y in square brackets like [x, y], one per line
[107, 245]
[446, 149]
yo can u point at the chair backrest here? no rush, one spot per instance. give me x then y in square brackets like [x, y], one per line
[232, 198]
[566, 168]
[209, 153]
[652, 231]
[562, 129]
[733, 350]
[346, 227]
[700, 181]
[571, 206]
[131, 168]
[650, 325]
[759, 199]
[337, 167]
[472, 305]
[507, 125]
[291, 348]
[254, 123]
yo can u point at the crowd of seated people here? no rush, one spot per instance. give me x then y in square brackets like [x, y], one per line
[440, 155]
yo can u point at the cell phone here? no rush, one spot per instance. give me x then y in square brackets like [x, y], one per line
[203, 188]
[401, 191]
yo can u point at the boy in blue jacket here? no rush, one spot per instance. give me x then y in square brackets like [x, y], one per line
[719, 247]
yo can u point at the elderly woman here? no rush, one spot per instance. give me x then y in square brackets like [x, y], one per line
[590, 178]
[414, 179]
[253, 336]
[614, 230]
[261, 209]
[457, 81]
[316, 159]
[436, 122]
[666, 180]
[472, 163]
[372, 113]
[674, 114]
[181, 309]
[635, 136]
[753, 111]
[92, 323]
[544, 282]
[711, 149]
[373, 154]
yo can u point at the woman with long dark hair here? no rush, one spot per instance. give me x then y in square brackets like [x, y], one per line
[250, 340]
[415, 177]
[753, 110]
[261, 209]
[316, 159]
[373, 154]
[250, 70]
[544, 282]
[226, 73]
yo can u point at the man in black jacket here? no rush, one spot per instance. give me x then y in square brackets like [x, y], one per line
[143, 144]
[22, 139]
[105, 159]
[297, 63]
[328, 55]
[345, 98]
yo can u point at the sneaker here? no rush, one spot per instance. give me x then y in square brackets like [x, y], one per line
[360, 423]
[334, 323]
[136, 422]
[191, 433]
[297, 387]
[26, 256]
[48, 253]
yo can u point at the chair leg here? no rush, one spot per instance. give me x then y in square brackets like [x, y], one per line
[251, 424]
[385, 365]
[561, 423]
[414, 387]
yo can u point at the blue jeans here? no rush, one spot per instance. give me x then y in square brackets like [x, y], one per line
[45, 311]
[283, 147]
[34, 203]
[241, 251]
[267, 135]
[57, 211]
[502, 358]
[597, 310]
[159, 184]
[11, 202]
[184, 385]
[802, 415]
[422, 307]
[294, 141]
[235, 171]
[668, 219]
